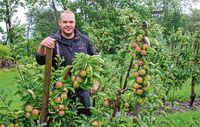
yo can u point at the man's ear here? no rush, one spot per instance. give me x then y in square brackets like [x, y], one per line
[59, 23]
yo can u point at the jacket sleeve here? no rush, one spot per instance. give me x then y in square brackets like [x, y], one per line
[90, 49]
[40, 59]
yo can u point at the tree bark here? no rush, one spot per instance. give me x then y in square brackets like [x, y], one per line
[55, 11]
[136, 110]
[8, 23]
[127, 75]
[193, 94]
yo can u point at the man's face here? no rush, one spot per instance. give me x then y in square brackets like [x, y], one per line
[67, 24]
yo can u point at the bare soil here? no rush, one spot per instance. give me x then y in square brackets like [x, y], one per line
[182, 106]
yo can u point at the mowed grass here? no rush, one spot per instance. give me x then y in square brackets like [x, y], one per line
[184, 93]
[182, 119]
[8, 84]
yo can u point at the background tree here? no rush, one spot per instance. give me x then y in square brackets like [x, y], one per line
[8, 9]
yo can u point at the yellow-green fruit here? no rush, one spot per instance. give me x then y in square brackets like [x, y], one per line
[139, 79]
[134, 45]
[11, 125]
[126, 105]
[66, 90]
[73, 78]
[79, 79]
[136, 66]
[142, 72]
[95, 123]
[83, 73]
[145, 46]
[106, 103]
[27, 115]
[145, 88]
[28, 108]
[145, 83]
[88, 69]
[140, 100]
[64, 96]
[61, 107]
[139, 91]
[16, 125]
[145, 66]
[136, 85]
[134, 56]
[139, 38]
[148, 77]
[75, 84]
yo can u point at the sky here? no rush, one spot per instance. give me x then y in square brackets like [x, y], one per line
[20, 14]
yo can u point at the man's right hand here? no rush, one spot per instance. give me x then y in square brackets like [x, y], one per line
[47, 42]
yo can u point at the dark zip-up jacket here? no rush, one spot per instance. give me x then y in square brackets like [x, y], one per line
[81, 43]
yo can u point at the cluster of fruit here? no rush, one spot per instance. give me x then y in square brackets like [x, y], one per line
[59, 95]
[30, 111]
[79, 80]
[85, 70]
[140, 73]
[10, 125]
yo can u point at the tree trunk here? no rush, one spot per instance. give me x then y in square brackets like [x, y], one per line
[55, 11]
[136, 111]
[127, 75]
[193, 94]
[194, 76]
[8, 23]
[115, 103]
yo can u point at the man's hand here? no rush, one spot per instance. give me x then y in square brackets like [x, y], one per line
[47, 42]
[95, 87]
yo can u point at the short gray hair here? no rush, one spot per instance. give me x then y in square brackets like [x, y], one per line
[66, 12]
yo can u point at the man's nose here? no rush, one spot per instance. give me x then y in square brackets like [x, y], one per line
[68, 24]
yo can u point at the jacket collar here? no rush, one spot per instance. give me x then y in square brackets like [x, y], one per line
[77, 34]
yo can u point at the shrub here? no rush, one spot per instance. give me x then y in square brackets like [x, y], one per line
[5, 52]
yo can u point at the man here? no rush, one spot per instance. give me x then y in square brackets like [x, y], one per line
[65, 43]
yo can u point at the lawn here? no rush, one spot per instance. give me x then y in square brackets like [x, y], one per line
[182, 119]
[184, 93]
[8, 84]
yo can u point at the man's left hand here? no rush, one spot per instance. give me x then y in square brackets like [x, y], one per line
[95, 87]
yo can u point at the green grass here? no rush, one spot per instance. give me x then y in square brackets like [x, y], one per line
[184, 93]
[182, 119]
[8, 78]
[8, 84]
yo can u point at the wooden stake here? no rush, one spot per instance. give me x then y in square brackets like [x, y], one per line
[47, 81]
